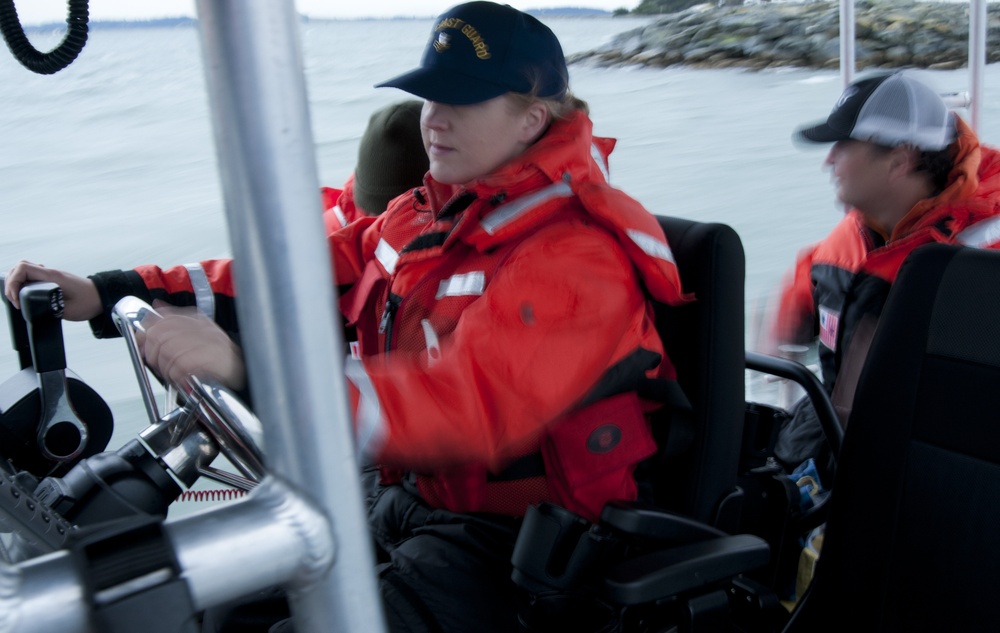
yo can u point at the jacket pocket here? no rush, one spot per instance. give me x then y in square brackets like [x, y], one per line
[358, 305]
[590, 455]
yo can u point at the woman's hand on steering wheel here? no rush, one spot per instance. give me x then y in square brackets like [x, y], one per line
[185, 342]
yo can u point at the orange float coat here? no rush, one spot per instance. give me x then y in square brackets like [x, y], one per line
[488, 316]
[847, 276]
[519, 321]
[339, 208]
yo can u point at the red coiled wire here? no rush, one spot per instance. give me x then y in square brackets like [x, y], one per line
[222, 494]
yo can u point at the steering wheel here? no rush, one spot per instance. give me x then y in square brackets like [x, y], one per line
[203, 417]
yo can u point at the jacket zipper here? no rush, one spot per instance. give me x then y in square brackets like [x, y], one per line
[394, 301]
[385, 325]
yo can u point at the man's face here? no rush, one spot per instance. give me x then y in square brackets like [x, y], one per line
[860, 172]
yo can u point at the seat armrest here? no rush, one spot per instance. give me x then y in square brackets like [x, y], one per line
[673, 571]
[798, 373]
[648, 522]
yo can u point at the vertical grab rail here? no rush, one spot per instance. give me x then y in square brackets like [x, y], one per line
[294, 347]
[973, 99]
[847, 42]
[977, 60]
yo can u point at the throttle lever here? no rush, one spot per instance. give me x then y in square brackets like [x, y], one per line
[62, 436]
[18, 329]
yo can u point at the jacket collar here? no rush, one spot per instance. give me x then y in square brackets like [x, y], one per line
[564, 148]
[957, 204]
[565, 154]
[566, 162]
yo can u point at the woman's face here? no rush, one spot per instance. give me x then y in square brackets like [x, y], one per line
[467, 142]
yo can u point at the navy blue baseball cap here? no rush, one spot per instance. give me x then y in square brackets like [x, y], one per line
[481, 50]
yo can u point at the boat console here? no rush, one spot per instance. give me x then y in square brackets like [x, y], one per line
[54, 427]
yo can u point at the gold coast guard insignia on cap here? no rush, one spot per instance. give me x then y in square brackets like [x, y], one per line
[443, 42]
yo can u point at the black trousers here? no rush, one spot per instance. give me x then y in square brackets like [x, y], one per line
[438, 572]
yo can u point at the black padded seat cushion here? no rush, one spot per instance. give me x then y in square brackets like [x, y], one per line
[913, 538]
[705, 339]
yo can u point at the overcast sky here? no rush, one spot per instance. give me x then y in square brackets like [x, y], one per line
[44, 11]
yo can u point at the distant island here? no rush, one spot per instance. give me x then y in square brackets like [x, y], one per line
[567, 12]
[889, 34]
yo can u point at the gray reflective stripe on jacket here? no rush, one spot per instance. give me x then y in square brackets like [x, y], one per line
[386, 255]
[507, 213]
[982, 234]
[371, 428]
[203, 295]
[598, 157]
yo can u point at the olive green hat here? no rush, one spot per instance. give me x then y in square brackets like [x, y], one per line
[391, 156]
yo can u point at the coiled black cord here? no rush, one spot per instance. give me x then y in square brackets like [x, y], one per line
[58, 58]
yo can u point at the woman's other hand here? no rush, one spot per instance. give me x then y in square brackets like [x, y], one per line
[82, 302]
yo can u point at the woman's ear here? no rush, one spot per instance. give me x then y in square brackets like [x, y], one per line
[535, 121]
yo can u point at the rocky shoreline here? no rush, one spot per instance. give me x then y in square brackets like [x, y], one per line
[890, 34]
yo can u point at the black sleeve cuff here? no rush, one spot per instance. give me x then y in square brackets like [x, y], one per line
[111, 287]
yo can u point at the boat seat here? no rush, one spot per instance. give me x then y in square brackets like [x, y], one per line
[677, 544]
[705, 341]
[911, 539]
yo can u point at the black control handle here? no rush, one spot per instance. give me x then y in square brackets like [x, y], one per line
[18, 328]
[42, 305]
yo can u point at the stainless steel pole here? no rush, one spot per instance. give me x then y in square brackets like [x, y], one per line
[977, 59]
[293, 344]
[847, 42]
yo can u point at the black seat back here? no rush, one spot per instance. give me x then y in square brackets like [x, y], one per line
[705, 340]
[911, 541]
